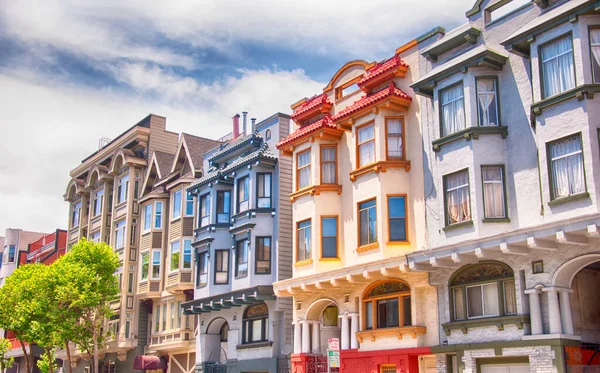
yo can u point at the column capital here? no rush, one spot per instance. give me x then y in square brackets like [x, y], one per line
[557, 289]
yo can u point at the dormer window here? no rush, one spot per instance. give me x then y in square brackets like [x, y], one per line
[347, 88]
[558, 70]
[452, 106]
[503, 9]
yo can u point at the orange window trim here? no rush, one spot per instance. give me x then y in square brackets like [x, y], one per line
[340, 89]
[358, 220]
[403, 156]
[335, 161]
[298, 169]
[298, 241]
[374, 300]
[371, 123]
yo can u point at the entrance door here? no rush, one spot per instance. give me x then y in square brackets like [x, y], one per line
[506, 368]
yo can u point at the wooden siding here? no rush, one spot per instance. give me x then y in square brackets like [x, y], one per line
[175, 229]
[188, 227]
[142, 325]
[157, 240]
[146, 242]
[161, 139]
[285, 222]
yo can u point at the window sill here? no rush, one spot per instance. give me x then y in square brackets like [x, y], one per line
[468, 134]
[372, 335]
[146, 232]
[499, 322]
[330, 260]
[315, 190]
[495, 220]
[247, 346]
[371, 246]
[582, 92]
[175, 219]
[460, 225]
[377, 167]
[303, 262]
[250, 213]
[240, 277]
[567, 199]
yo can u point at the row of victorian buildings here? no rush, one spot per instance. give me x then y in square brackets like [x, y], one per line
[436, 211]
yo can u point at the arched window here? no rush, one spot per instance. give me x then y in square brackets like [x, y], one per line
[256, 324]
[224, 332]
[387, 305]
[483, 290]
[330, 316]
[268, 135]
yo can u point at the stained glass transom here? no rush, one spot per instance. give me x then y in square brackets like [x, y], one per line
[388, 288]
[482, 272]
[257, 310]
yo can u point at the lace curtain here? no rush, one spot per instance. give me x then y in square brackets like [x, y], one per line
[304, 169]
[493, 192]
[488, 105]
[567, 167]
[457, 196]
[328, 165]
[557, 66]
[595, 44]
[366, 149]
[394, 138]
[453, 116]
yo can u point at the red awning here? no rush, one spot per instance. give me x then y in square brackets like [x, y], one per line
[146, 362]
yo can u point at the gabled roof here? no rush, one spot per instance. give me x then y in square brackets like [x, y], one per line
[317, 103]
[160, 164]
[367, 100]
[196, 146]
[163, 163]
[307, 129]
[382, 68]
[235, 144]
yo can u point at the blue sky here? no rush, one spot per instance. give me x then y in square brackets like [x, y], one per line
[72, 72]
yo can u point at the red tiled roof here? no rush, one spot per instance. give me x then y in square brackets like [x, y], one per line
[324, 122]
[381, 68]
[312, 103]
[367, 100]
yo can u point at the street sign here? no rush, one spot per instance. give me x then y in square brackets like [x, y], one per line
[333, 358]
[334, 344]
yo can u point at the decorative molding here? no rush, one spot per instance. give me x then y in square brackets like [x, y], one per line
[469, 134]
[582, 92]
[400, 332]
[499, 322]
[377, 167]
[316, 190]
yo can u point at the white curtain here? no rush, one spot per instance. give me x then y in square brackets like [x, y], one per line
[459, 304]
[458, 203]
[486, 97]
[328, 165]
[567, 167]
[557, 65]
[493, 192]
[304, 174]
[394, 138]
[509, 298]
[453, 116]
[490, 299]
[366, 137]
[595, 43]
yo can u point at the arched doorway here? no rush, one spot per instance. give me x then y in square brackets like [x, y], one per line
[324, 314]
[217, 340]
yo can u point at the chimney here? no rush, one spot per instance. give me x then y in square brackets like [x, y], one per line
[253, 120]
[236, 126]
[245, 116]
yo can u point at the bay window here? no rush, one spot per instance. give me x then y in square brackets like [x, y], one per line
[566, 165]
[595, 51]
[487, 101]
[329, 234]
[187, 254]
[241, 258]
[264, 191]
[366, 145]
[221, 267]
[452, 108]
[75, 213]
[175, 246]
[158, 208]
[558, 68]
[494, 200]
[120, 234]
[176, 211]
[157, 319]
[204, 207]
[328, 164]
[243, 192]
[458, 199]
[367, 222]
[156, 254]
[303, 170]
[189, 204]
[263, 255]
[202, 270]
[145, 260]
[147, 216]
[397, 218]
[394, 133]
[98, 201]
[223, 206]
[255, 324]
[387, 305]
[303, 241]
[123, 189]
[12, 252]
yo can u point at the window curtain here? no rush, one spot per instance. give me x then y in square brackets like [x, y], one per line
[509, 298]
[595, 45]
[367, 147]
[304, 174]
[557, 65]
[486, 97]
[459, 304]
[490, 299]
[567, 167]
[493, 192]
[394, 140]
[328, 164]
[453, 116]
[458, 203]
[474, 301]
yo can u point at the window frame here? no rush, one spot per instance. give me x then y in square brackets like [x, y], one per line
[204, 201]
[402, 136]
[358, 210]
[337, 237]
[217, 213]
[152, 264]
[497, 94]
[400, 296]
[503, 174]
[244, 242]
[158, 214]
[203, 258]
[335, 162]
[595, 79]
[174, 205]
[147, 218]
[256, 258]
[148, 253]
[76, 211]
[227, 262]
[245, 179]
[389, 218]
[258, 191]
[96, 205]
[14, 253]
[309, 220]
[298, 169]
[184, 254]
[189, 199]
[119, 184]
[549, 165]
[441, 106]
[339, 90]
[247, 323]
[444, 183]
[117, 228]
[568, 34]
[358, 144]
[178, 252]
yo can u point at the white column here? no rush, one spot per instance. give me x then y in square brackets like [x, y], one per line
[297, 337]
[535, 311]
[353, 330]
[305, 337]
[553, 311]
[565, 312]
[316, 335]
[345, 342]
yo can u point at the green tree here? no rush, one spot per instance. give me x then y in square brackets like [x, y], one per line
[5, 361]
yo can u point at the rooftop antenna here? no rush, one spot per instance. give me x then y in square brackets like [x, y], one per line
[103, 142]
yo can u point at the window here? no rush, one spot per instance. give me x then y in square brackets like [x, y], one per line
[304, 246]
[175, 255]
[256, 324]
[506, 9]
[176, 212]
[12, 252]
[595, 49]
[204, 210]
[75, 214]
[156, 264]
[158, 207]
[397, 218]
[202, 269]
[566, 165]
[241, 258]
[189, 204]
[452, 109]
[263, 255]
[367, 222]
[95, 237]
[483, 290]
[221, 266]
[329, 228]
[145, 265]
[130, 282]
[394, 131]
[243, 190]
[120, 234]
[157, 319]
[558, 71]
[458, 200]
[487, 102]
[123, 188]
[387, 305]
[493, 192]
[187, 254]
[330, 316]
[173, 314]
[164, 317]
[98, 200]
[268, 135]
[178, 313]
[303, 170]
[328, 164]
[264, 191]
[366, 145]
[127, 329]
[147, 216]
[223, 206]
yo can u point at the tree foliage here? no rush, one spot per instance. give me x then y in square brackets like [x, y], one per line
[5, 361]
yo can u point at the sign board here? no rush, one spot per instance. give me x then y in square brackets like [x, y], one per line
[334, 344]
[333, 358]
